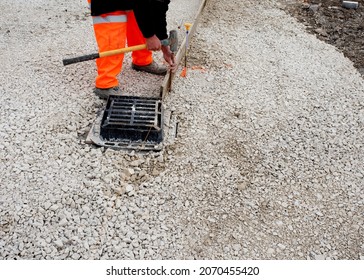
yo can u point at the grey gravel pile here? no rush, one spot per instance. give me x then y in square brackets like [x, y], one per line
[267, 162]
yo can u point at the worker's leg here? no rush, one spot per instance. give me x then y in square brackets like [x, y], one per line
[141, 60]
[110, 33]
[135, 37]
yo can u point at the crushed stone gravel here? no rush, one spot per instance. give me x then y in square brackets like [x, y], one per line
[267, 162]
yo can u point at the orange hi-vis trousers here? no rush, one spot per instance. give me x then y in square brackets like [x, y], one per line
[112, 31]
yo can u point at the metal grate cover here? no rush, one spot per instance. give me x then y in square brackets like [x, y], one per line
[129, 122]
[132, 119]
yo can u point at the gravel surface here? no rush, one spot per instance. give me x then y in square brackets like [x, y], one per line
[267, 162]
[333, 23]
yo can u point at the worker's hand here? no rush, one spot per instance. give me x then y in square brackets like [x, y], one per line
[169, 58]
[153, 43]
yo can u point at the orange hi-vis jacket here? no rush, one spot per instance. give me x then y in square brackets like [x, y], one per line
[112, 31]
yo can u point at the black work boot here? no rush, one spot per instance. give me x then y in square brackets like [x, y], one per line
[152, 68]
[104, 93]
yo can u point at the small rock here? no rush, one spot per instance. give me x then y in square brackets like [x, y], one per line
[54, 207]
[109, 178]
[155, 172]
[75, 256]
[135, 243]
[71, 127]
[314, 7]
[242, 185]
[137, 162]
[321, 32]
[118, 203]
[58, 243]
[142, 173]
[127, 173]
[120, 190]
[320, 257]
[237, 247]
[318, 213]
[270, 251]
[129, 188]
[86, 209]
[63, 222]
[210, 78]
[142, 253]
[47, 204]
[160, 159]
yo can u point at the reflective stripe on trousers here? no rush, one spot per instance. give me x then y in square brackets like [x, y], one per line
[109, 19]
[111, 32]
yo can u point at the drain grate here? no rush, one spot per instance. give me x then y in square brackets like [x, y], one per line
[131, 119]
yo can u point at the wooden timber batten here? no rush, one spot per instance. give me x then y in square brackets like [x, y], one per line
[167, 82]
